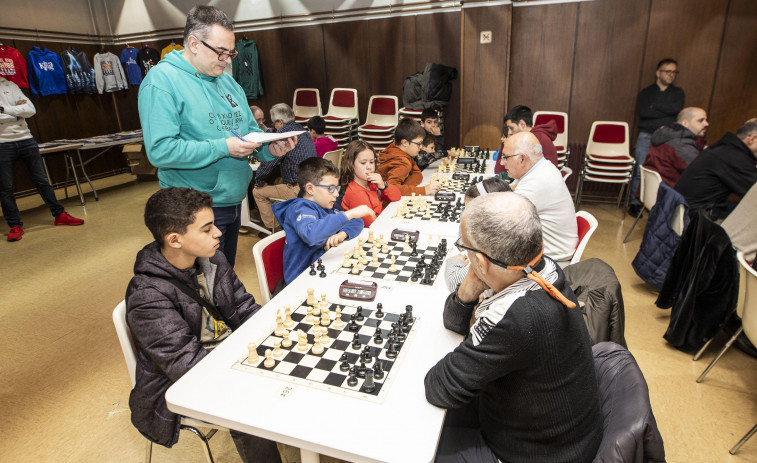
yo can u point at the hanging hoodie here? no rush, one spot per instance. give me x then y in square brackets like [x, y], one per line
[246, 68]
[46, 75]
[186, 118]
[169, 49]
[80, 75]
[109, 75]
[133, 70]
[147, 57]
[13, 66]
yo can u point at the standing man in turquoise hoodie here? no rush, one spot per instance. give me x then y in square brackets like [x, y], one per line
[189, 107]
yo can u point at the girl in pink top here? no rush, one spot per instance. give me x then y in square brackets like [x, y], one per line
[363, 184]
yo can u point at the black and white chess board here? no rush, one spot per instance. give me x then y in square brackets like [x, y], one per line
[438, 211]
[421, 268]
[460, 187]
[342, 358]
[471, 165]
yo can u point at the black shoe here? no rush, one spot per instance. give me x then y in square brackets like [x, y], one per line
[635, 210]
[262, 235]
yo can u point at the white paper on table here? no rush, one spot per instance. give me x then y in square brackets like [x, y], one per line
[263, 137]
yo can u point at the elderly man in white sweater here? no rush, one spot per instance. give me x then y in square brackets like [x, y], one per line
[17, 144]
[541, 182]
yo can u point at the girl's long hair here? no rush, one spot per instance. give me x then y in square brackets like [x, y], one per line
[348, 160]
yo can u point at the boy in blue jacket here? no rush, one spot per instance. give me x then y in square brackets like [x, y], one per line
[312, 226]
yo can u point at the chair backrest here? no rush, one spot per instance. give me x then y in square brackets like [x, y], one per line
[586, 226]
[630, 430]
[749, 305]
[566, 171]
[335, 157]
[127, 342]
[268, 255]
[608, 139]
[383, 111]
[650, 183]
[343, 103]
[561, 119]
[307, 102]
[677, 223]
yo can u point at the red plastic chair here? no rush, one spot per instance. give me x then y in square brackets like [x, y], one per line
[587, 224]
[268, 255]
[306, 104]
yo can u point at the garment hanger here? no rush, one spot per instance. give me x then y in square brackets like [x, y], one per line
[103, 50]
[173, 43]
[244, 37]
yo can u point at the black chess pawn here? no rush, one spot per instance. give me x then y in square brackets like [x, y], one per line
[413, 246]
[353, 326]
[392, 351]
[378, 370]
[344, 366]
[369, 385]
[352, 380]
[409, 313]
[367, 356]
[322, 274]
[312, 269]
[361, 369]
[344, 357]
[320, 265]
[414, 276]
[356, 342]
[379, 310]
[359, 315]
[377, 337]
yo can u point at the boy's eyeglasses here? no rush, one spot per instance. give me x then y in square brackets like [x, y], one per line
[332, 188]
[416, 143]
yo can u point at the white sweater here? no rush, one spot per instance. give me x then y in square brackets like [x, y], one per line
[12, 124]
[544, 186]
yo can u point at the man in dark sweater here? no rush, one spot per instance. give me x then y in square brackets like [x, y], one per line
[723, 173]
[523, 379]
[658, 105]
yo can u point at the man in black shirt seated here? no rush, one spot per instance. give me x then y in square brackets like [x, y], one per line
[523, 379]
[718, 179]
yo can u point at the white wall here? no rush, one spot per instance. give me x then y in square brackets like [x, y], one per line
[72, 16]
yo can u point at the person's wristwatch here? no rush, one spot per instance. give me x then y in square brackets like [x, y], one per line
[2, 109]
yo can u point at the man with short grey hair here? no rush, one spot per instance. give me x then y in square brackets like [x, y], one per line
[539, 180]
[521, 386]
[278, 178]
[194, 118]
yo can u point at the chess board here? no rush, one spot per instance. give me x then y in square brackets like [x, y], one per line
[460, 187]
[479, 166]
[322, 371]
[436, 211]
[405, 262]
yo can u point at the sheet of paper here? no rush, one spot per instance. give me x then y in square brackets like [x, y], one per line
[262, 137]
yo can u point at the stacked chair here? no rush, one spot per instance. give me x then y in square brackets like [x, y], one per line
[380, 121]
[342, 118]
[411, 113]
[561, 142]
[607, 159]
[306, 104]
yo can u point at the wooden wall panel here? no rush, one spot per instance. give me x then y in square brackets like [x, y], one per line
[484, 75]
[734, 98]
[609, 50]
[541, 59]
[437, 40]
[688, 31]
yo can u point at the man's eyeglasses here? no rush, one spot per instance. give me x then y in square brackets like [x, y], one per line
[332, 188]
[512, 156]
[222, 55]
[461, 247]
[670, 72]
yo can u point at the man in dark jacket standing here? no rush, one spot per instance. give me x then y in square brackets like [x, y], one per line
[657, 105]
[183, 300]
[523, 379]
[723, 173]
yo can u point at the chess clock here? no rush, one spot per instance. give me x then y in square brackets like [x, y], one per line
[358, 290]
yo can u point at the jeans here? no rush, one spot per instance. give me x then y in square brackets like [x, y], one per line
[642, 147]
[228, 220]
[255, 449]
[27, 152]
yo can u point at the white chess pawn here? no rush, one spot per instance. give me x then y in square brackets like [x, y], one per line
[355, 268]
[324, 304]
[309, 317]
[317, 346]
[325, 339]
[252, 353]
[393, 268]
[287, 341]
[325, 317]
[338, 323]
[279, 325]
[277, 350]
[317, 308]
[302, 341]
[406, 245]
[346, 262]
[311, 298]
[269, 361]
[356, 252]
[288, 322]
[374, 259]
[385, 249]
[370, 236]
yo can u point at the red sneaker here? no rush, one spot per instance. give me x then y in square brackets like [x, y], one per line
[15, 233]
[65, 219]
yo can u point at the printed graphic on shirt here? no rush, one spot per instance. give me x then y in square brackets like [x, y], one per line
[305, 216]
[149, 64]
[107, 67]
[231, 100]
[7, 67]
[225, 122]
[46, 66]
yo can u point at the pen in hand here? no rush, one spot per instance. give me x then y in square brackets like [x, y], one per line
[238, 136]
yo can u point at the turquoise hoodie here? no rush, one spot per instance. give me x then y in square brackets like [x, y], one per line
[186, 118]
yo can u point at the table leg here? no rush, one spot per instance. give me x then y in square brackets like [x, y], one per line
[76, 177]
[84, 173]
[308, 456]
